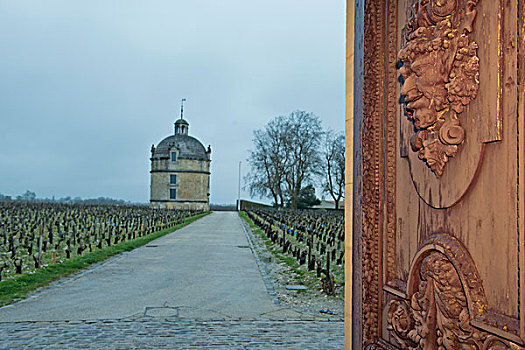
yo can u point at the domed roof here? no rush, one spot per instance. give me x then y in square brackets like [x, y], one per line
[189, 148]
[181, 121]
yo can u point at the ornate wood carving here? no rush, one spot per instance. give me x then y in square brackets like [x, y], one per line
[380, 345]
[372, 169]
[444, 296]
[391, 124]
[440, 69]
[440, 303]
[379, 139]
[437, 315]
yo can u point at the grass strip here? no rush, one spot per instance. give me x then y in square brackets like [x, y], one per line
[273, 248]
[14, 289]
[288, 260]
[306, 278]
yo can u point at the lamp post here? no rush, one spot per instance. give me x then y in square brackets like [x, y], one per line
[239, 189]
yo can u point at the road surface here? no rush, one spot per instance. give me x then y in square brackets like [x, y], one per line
[204, 272]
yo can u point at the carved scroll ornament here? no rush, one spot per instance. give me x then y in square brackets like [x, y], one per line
[440, 70]
[437, 316]
[444, 293]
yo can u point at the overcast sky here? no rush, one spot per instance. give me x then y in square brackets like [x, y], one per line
[86, 87]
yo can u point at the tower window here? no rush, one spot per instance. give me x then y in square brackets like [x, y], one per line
[173, 179]
[173, 193]
[173, 157]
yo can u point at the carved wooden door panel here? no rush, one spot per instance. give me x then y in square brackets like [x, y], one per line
[438, 244]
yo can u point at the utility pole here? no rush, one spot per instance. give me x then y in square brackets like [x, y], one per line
[239, 191]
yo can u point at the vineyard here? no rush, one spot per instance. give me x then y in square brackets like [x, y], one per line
[314, 239]
[35, 235]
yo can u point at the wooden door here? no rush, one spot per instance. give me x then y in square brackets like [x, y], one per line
[438, 224]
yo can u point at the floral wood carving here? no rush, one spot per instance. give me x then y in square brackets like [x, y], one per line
[437, 316]
[440, 71]
[444, 293]
[372, 171]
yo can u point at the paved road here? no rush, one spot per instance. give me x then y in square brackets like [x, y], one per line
[204, 271]
[195, 334]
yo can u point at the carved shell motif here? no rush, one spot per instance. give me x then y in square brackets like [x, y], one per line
[440, 71]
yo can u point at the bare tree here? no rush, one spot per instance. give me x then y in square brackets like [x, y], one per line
[286, 156]
[334, 165]
[268, 161]
[302, 147]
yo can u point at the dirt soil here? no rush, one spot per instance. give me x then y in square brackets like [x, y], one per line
[279, 274]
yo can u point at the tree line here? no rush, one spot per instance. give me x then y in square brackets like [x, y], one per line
[30, 196]
[293, 153]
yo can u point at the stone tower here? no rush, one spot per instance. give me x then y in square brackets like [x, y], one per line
[180, 171]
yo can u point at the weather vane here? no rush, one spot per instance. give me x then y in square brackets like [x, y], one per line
[182, 107]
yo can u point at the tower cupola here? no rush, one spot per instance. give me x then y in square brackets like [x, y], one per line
[181, 126]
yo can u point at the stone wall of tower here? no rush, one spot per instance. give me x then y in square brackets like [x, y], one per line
[193, 179]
